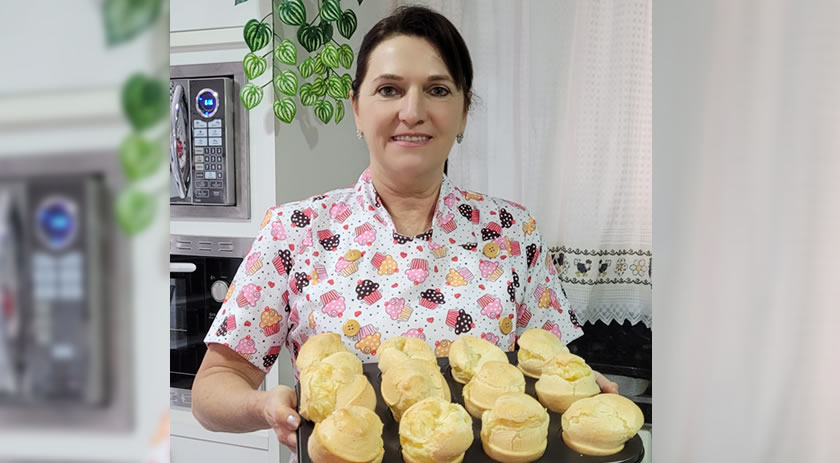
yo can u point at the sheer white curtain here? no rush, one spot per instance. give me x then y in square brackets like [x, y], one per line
[563, 125]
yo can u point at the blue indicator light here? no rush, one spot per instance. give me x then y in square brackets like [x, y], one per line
[57, 223]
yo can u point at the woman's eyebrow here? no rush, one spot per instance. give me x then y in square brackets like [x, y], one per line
[433, 78]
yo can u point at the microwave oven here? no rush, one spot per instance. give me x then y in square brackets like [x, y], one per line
[208, 155]
[65, 329]
[52, 312]
[201, 269]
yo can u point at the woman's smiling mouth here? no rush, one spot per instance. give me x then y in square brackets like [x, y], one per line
[411, 140]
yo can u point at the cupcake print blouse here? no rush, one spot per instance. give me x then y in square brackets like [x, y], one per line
[335, 263]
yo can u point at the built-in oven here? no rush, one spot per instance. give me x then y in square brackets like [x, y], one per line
[201, 269]
[208, 153]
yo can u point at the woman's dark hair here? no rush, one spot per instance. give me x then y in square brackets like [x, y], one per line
[422, 22]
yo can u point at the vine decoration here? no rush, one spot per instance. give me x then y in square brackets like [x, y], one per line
[145, 104]
[324, 63]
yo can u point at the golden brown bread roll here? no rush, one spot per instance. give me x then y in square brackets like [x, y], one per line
[435, 430]
[349, 435]
[515, 430]
[410, 382]
[600, 425]
[317, 348]
[467, 354]
[493, 379]
[327, 385]
[401, 348]
[536, 347]
[565, 379]
[346, 360]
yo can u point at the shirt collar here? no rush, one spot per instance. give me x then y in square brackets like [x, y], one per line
[370, 202]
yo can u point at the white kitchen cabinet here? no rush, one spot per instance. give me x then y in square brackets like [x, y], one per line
[647, 436]
[191, 15]
[185, 450]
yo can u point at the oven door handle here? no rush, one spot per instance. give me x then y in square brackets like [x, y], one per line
[181, 267]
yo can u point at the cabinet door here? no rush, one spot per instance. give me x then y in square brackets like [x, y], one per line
[189, 15]
[184, 450]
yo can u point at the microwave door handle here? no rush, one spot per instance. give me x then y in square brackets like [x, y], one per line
[175, 114]
[181, 267]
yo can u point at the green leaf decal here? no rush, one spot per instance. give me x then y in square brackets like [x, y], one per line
[335, 87]
[307, 97]
[139, 157]
[286, 52]
[286, 82]
[292, 12]
[339, 111]
[360, 2]
[347, 24]
[125, 20]
[306, 67]
[251, 95]
[324, 110]
[285, 110]
[253, 66]
[144, 101]
[310, 37]
[345, 56]
[319, 87]
[318, 65]
[239, 1]
[329, 56]
[134, 210]
[348, 84]
[330, 10]
[257, 34]
[326, 31]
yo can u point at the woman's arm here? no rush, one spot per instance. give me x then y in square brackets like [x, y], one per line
[225, 397]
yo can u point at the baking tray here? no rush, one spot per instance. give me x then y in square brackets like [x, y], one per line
[556, 451]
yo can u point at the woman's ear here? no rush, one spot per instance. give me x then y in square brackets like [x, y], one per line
[355, 105]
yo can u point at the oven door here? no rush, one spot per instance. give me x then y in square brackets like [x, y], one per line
[191, 311]
[180, 149]
[197, 288]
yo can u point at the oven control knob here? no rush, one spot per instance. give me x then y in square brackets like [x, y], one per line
[219, 290]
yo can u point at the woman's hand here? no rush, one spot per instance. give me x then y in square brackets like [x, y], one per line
[280, 414]
[605, 384]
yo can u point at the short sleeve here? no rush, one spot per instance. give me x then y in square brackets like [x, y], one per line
[543, 303]
[253, 319]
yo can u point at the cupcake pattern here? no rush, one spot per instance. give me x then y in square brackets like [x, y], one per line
[270, 321]
[335, 263]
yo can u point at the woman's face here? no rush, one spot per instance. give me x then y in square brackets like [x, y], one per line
[408, 108]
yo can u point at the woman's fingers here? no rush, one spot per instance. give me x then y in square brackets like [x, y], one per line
[285, 419]
[605, 384]
[287, 438]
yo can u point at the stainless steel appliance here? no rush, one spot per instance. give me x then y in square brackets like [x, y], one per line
[60, 254]
[208, 142]
[200, 272]
[52, 309]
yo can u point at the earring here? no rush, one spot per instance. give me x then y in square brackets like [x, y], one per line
[359, 134]
[459, 138]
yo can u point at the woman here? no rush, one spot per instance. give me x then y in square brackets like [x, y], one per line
[403, 252]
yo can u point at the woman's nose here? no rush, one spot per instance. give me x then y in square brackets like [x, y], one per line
[412, 111]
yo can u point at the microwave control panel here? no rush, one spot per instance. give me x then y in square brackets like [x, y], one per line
[212, 120]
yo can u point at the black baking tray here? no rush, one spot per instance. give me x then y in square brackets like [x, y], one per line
[556, 451]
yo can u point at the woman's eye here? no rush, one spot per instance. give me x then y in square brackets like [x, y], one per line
[387, 91]
[440, 91]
